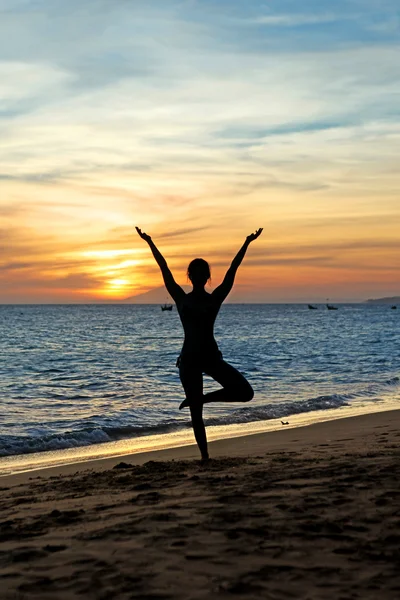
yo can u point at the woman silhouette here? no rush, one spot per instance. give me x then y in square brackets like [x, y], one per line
[200, 354]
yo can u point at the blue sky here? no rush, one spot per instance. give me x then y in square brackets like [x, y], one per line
[186, 111]
[326, 64]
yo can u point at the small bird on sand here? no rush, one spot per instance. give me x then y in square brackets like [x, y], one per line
[285, 422]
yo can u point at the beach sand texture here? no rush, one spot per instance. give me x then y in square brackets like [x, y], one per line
[312, 512]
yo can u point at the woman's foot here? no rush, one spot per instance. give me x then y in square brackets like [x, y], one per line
[187, 403]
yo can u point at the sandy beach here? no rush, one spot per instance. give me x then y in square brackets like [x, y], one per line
[312, 512]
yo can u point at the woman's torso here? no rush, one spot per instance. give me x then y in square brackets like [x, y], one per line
[198, 312]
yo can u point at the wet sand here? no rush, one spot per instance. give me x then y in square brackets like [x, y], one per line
[306, 513]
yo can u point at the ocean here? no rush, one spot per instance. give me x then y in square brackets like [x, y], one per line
[77, 375]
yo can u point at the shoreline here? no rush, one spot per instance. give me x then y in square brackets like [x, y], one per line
[307, 512]
[36, 461]
[236, 445]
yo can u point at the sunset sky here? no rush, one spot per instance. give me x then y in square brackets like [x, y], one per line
[199, 121]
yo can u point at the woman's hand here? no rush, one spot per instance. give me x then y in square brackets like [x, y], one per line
[254, 236]
[143, 235]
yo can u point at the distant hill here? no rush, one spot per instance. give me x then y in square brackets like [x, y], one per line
[392, 300]
[157, 295]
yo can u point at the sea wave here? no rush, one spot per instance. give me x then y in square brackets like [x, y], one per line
[87, 436]
[18, 445]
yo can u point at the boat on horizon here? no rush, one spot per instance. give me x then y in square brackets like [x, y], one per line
[311, 307]
[166, 307]
[330, 306]
[393, 307]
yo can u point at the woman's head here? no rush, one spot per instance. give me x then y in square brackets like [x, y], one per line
[199, 271]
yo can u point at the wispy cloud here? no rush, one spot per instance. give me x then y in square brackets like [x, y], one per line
[293, 20]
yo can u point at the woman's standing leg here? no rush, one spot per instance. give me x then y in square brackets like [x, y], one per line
[196, 412]
[191, 376]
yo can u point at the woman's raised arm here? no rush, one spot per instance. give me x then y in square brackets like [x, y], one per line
[174, 290]
[221, 292]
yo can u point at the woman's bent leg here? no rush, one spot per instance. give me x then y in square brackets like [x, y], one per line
[235, 387]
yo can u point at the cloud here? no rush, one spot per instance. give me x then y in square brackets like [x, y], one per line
[24, 80]
[293, 20]
[43, 178]
[179, 232]
[67, 283]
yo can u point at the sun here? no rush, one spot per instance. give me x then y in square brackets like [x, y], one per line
[118, 283]
[115, 271]
[117, 287]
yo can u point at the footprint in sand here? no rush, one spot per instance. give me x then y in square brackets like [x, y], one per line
[149, 498]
